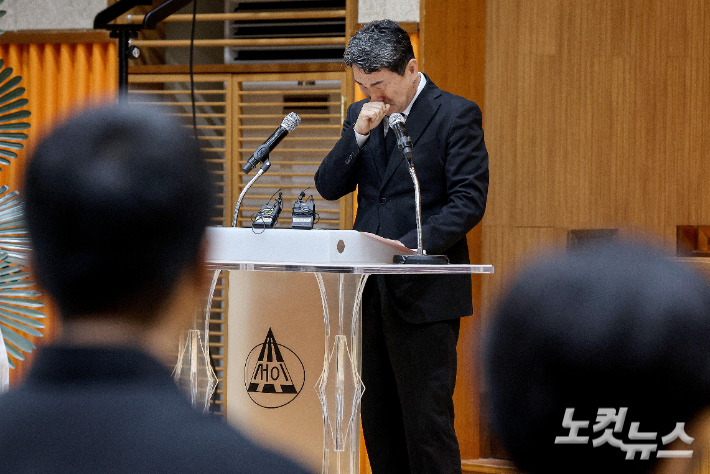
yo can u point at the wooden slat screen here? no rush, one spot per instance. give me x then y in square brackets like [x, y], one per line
[235, 114]
[256, 31]
[261, 102]
[214, 131]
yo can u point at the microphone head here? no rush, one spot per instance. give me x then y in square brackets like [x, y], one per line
[291, 121]
[395, 119]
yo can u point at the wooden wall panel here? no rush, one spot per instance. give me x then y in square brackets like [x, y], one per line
[452, 45]
[501, 196]
[452, 53]
[596, 117]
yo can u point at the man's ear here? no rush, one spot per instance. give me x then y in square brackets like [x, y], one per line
[413, 66]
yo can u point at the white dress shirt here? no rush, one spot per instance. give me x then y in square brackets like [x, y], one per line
[361, 139]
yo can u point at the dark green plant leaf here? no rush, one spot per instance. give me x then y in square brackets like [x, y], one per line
[12, 203]
[13, 145]
[11, 227]
[17, 304]
[22, 310]
[20, 327]
[9, 269]
[5, 73]
[12, 216]
[13, 136]
[14, 353]
[23, 319]
[11, 206]
[10, 84]
[17, 313]
[21, 301]
[18, 104]
[23, 293]
[17, 284]
[15, 116]
[8, 195]
[15, 126]
[11, 213]
[8, 154]
[15, 243]
[14, 277]
[21, 342]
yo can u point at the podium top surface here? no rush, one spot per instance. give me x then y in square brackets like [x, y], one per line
[355, 268]
[319, 251]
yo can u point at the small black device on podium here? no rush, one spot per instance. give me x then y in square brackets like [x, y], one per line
[304, 212]
[268, 215]
[404, 143]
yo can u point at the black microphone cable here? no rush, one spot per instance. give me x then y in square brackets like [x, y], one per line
[192, 75]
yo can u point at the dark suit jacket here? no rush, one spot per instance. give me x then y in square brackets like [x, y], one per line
[116, 411]
[451, 162]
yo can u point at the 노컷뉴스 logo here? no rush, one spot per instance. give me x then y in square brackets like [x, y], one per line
[639, 441]
[273, 374]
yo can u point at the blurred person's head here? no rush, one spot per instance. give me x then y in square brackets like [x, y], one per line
[117, 201]
[610, 327]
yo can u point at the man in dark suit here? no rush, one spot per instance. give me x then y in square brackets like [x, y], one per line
[410, 324]
[117, 202]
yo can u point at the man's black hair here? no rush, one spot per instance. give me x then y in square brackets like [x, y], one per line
[381, 44]
[116, 201]
[606, 327]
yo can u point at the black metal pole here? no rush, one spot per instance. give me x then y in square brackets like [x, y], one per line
[124, 32]
[124, 36]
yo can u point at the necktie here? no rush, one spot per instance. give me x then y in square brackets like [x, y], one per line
[390, 144]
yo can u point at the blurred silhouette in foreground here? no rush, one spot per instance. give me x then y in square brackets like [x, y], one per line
[599, 361]
[117, 202]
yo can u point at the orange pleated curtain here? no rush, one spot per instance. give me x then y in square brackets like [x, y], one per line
[60, 80]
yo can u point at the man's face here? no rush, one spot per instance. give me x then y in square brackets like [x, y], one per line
[389, 87]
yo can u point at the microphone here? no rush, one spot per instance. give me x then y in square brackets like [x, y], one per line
[289, 124]
[404, 143]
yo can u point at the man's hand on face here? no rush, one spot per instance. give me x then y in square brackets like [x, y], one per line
[370, 116]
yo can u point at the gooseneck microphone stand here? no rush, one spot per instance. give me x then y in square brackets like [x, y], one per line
[405, 146]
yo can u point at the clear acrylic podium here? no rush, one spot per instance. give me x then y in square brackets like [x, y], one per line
[272, 319]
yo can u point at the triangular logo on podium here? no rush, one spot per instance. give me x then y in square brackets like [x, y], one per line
[271, 374]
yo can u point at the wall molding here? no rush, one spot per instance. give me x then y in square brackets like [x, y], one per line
[55, 36]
